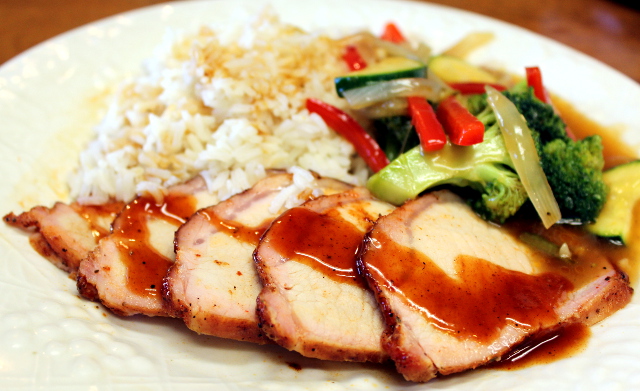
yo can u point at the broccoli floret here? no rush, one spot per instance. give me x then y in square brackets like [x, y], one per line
[540, 116]
[500, 192]
[485, 168]
[574, 171]
[477, 104]
[573, 168]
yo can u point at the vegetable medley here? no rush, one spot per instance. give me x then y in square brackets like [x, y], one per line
[438, 120]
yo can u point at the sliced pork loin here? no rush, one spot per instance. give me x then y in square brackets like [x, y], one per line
[66, 233]
[457, 292]
[313, 300]
[126, 269]
[213, 283]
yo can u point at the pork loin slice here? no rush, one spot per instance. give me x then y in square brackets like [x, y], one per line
[313, 300]
[66, 233]
[457, 292]
[126, 269]
[213, 283]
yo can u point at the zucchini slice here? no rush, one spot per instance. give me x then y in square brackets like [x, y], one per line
[616, 218]
[389, 68]
[455, 70]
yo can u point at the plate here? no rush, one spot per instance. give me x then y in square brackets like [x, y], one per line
[52, 339]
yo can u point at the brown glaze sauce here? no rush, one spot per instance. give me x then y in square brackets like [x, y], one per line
[483, 299]
[327, 244]
[525, 301]
[616, 152]
[562, 343]
[94, 213]
[236, 230]
[589, 254]
[145, 266]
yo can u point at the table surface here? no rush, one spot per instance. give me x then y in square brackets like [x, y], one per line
[606, 30]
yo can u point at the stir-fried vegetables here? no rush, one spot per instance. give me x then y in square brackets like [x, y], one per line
[470, 88]
[362, 97]
[462, 127]
[534, 80]
[522, 148]
[344, 124]
[469, 43]
[366, 39]
[353, 59]
[395, 134]
[503, 145]
[429, 129]
[455, 70]
[392, 33]
[390, 68]
[546, 246]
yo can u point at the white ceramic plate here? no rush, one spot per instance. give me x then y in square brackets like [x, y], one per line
[50, 339]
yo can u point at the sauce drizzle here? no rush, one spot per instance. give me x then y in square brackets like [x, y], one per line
[325, 243]
[236, 230]
[94, 213]
[146, 267]
[475, 304]
[562, 343]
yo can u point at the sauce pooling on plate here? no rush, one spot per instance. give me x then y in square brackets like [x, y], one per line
[615, 152]
[478, 302]
[562, 343]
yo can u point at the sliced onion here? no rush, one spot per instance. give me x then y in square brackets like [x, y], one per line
[392, 49]
[469, 43]
[389, 108]
[423, 52]
[522, 149]
[362, 97]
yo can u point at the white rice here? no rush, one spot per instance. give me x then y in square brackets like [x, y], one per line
[226, 104]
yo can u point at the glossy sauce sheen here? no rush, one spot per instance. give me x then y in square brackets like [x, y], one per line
[615, 150]
[481, 301]
[589, 254]
[325, 243]
[145, 266]
[562, 343]
[92, 213]
[236, 230]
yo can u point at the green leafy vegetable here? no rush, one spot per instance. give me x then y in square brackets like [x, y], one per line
[573, 168]
[485, 168]
[395, 135]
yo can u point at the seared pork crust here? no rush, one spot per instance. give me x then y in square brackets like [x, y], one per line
[124, 272]
[439, 233]
[213, 283]
[597, 300]
[65, 234]
[309, 309]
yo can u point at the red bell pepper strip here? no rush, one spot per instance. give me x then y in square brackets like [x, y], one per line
[392, 33]
[429, 129]
[342, 123]
[462, 127]
[534, 79]
[474, 88]
[353, 58]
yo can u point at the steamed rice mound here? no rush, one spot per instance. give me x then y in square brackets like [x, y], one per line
[225, 104]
